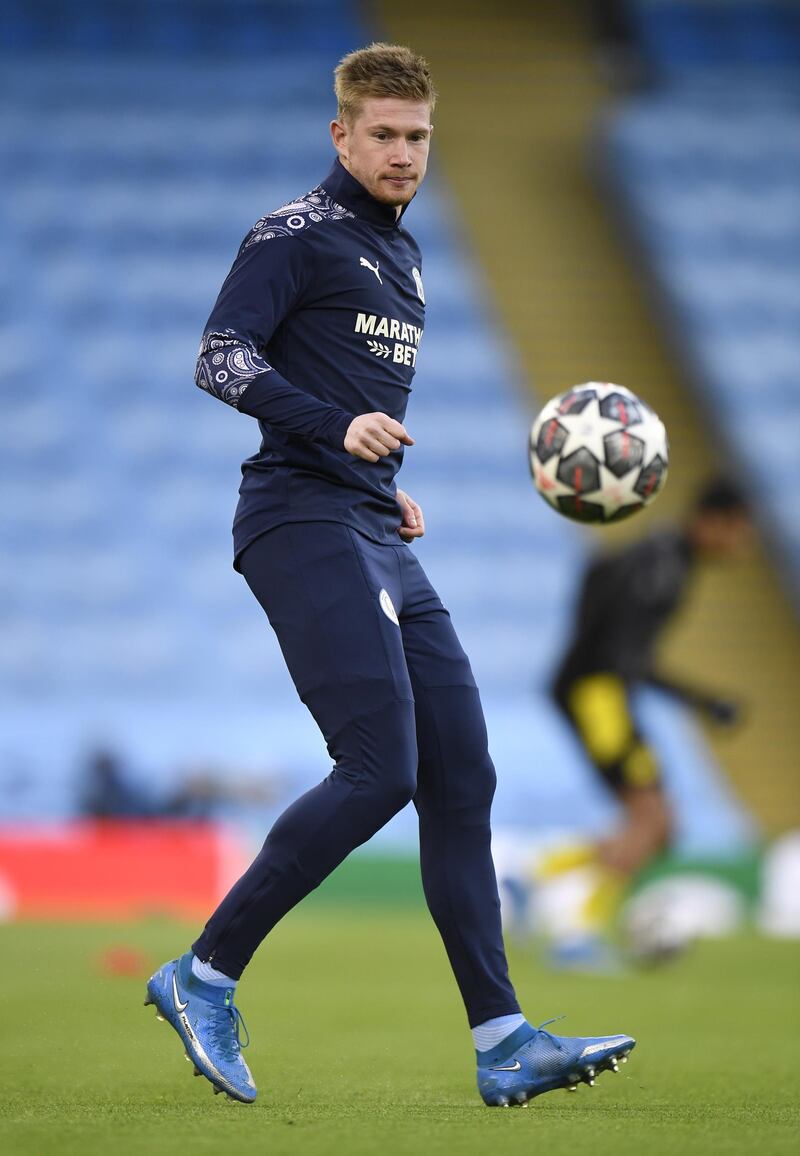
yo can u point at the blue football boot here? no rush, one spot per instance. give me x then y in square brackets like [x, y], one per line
[205, 1018]
[531, 1061]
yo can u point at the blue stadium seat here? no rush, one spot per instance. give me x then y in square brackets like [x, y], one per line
[709, 172]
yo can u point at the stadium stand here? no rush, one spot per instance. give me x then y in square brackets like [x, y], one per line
[708, 166]
[137, 154]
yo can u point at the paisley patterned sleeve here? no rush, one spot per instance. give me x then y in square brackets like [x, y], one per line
[265, 284]
[227, 363]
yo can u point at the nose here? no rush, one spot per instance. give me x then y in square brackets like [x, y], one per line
[400, 154]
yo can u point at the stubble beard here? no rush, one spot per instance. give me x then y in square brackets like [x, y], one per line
[385, 193]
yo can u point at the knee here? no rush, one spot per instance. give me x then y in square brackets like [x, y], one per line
[456, 770]
[394, 781]
[648, 827]
[469, 771]
[659, 820]
[482, 782]
[399, 787]
[465, 792]
[378, 756]
[389, 786]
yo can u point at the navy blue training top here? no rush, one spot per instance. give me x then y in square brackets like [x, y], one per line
[319, 320]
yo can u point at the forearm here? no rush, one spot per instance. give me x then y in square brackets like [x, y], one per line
[677, 688]
[229, 368]
[710, 702]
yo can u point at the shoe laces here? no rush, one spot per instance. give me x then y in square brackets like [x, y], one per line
[554, 1039]
[227, 1026]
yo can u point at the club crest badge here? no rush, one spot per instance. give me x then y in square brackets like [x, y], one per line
[415, 273]
[387, 606]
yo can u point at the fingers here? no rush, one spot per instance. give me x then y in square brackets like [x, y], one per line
[375, 435]
[384, 443]
[413, 525]
[401, 433]
[414, 519]
[389, 434]
[408, 506]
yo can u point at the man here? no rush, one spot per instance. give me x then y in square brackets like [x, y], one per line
[626, 600]
[316, 333]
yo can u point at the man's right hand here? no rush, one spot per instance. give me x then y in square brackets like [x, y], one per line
[374, 435]
[722, 711]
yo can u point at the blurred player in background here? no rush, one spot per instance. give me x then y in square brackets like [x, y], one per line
[316, 333]
[626, 600]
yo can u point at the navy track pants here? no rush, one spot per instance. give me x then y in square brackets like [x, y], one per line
[375, 658]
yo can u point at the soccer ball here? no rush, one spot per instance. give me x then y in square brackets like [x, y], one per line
[598, 453]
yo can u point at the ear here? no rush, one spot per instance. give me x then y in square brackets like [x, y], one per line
[339, 137]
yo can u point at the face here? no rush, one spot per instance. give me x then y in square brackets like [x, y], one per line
[723, 535]
[386, 147]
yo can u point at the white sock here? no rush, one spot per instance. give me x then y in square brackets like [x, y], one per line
[209, 974]
[490, 1034]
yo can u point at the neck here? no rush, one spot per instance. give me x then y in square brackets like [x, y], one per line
[397, 208]
[347, 190]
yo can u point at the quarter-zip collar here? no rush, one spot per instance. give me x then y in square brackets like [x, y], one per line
[344, 188]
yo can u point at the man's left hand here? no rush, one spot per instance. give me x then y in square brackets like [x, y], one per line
[413, 524]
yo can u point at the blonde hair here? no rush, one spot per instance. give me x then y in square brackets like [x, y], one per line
[381, 70]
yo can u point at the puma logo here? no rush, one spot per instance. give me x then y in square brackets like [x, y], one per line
[372, 268]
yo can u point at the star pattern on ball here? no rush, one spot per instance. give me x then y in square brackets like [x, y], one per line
[618, 492]
[655, 440]
[548, 484]
[597, 468]
[586, 431]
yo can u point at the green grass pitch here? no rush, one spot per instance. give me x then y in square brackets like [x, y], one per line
[360, 1048]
